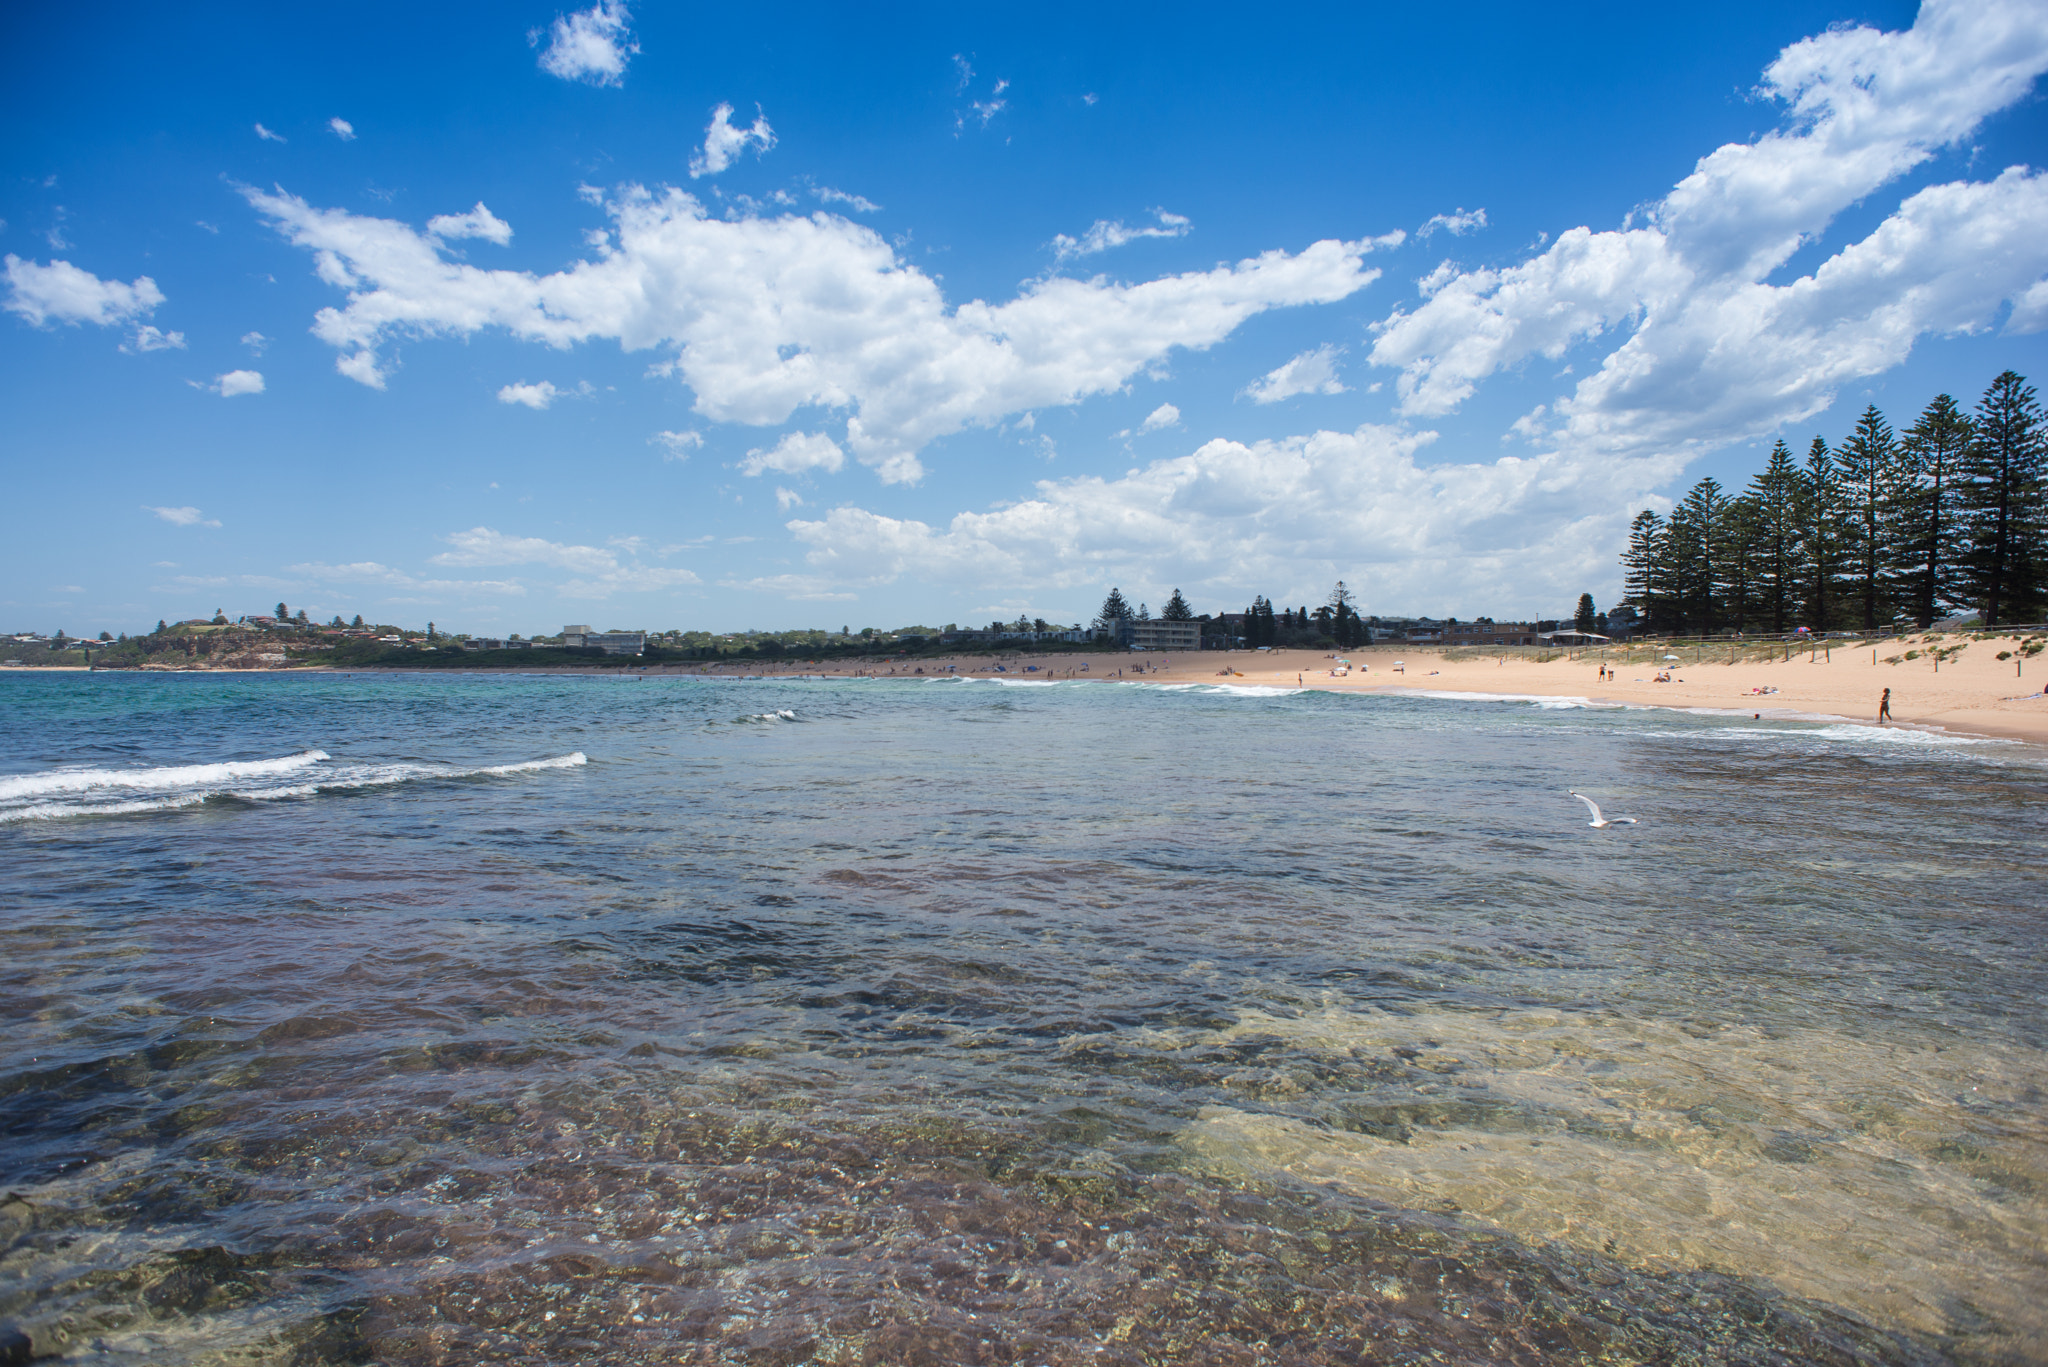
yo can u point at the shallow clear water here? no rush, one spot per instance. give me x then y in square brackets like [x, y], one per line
[611, 1020]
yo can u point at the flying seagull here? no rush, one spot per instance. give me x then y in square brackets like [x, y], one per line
[1598, 822]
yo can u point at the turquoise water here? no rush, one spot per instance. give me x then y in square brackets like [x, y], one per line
[467, 1019]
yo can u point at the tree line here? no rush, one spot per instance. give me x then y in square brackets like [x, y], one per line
[1336, 621]
[1950, 516]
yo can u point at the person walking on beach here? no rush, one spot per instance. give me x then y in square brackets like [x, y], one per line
[1884, 707]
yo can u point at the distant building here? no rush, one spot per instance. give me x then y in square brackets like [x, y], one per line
[610, 642]
[1160, 634]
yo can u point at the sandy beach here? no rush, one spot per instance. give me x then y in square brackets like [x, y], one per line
[1972, 691]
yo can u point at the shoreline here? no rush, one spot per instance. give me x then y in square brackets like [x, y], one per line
[1968, 693]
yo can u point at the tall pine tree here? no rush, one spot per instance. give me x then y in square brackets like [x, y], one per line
[1695, 544]
[2002, 503]
[1116, 611]
[1641, 566]
[1869, 466]
[1822, 536]
[1774, 495]
[1930, 515]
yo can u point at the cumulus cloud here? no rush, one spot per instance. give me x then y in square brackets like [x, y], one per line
[532, 395]
[342, 128]
[1288, 516]
[478, 222]
[268, 136]
[63, 292]
[1703, 350]
[590, 45]
[766, 315]
[794, 454]
[785, 499]
[679, 444]
[148, 338]
[1166, 415]
[237, 382]
[1457, 223]
[255, 341]
[723, 143]
[1105, 234]
[182, 517]
[1312, 372]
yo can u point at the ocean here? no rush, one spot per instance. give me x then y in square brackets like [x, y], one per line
[620, 1019]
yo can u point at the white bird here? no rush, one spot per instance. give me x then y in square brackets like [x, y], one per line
[1599, 822]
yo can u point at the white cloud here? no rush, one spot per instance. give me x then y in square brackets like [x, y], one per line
[723, 143]
[1457, 223]
[1166, 415]
[785, 499]
[766, 315]
[1285, 517]
[148, 338]
[268, 136]
[342, 128]
[182, 517]
[63, 292]
[630, 578]
[860, 204]
[1105, 234]
[794, 454]
[1712, 352]
[362, 368]
[371, 572]
[255, 341]
[478, 222]
[679, 444]
[237, 382]
[804, 588]
[602, 572]
[590, 45]
[532, 395]
[1312, 372]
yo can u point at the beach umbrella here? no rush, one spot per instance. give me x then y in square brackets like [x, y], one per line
[1670, 657]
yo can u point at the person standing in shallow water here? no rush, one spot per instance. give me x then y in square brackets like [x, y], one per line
[1884, 706]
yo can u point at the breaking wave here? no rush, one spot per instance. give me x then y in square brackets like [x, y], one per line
[121, 792]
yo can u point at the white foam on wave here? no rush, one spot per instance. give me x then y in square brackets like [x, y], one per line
[106, 792]
[1006, 683]
[1859, 734]
[574, 760]
[1545, 701]
[757, 718]
[1251, 690]
[163, 777]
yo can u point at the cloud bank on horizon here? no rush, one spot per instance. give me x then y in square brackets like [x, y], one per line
[1718, 313]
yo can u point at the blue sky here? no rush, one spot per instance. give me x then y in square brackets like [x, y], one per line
[489, 317]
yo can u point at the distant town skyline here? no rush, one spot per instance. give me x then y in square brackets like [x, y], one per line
[511, 318]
